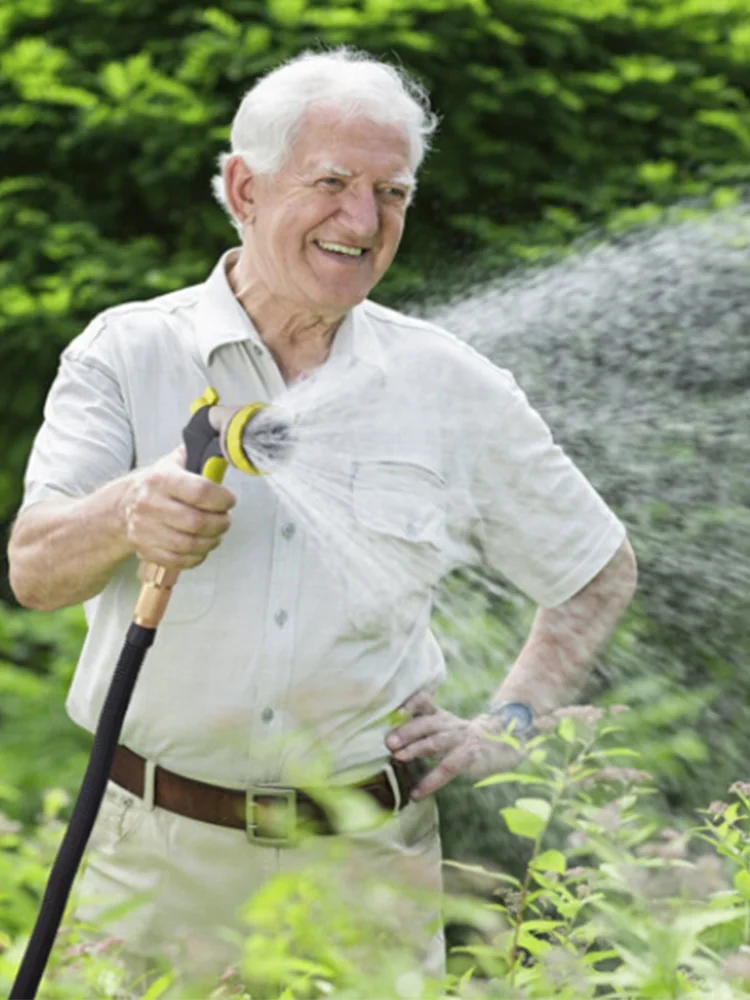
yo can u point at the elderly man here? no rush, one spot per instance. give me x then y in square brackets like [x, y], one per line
[264, 660]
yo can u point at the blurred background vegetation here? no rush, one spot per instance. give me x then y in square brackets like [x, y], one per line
[564, 121]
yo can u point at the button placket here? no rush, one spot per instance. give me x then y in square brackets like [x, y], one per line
[274, 686]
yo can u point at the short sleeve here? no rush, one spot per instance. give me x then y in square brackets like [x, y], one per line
[86, 439]
[541, 524]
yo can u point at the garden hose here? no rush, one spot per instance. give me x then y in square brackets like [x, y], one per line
[214, 437]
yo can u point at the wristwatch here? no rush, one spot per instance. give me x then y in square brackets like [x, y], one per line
[515, 714]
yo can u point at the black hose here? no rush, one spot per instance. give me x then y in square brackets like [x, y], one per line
[84, 815]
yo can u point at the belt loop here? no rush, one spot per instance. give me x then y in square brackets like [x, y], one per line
[149, 783]
[393, 782]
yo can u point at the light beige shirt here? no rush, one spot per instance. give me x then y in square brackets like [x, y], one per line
[269, 654]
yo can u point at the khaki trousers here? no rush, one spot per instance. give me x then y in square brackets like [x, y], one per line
[179, 889]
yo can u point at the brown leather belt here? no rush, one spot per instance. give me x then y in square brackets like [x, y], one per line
[270, 814]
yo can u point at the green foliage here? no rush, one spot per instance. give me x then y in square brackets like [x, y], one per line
[611, 903]
[39, 747]
[557, 115]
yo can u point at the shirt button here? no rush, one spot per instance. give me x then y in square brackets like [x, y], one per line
[258, 349]
[288, 530]
[267, 714]
[280, 617]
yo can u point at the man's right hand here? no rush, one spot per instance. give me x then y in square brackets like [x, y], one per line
[173, 517]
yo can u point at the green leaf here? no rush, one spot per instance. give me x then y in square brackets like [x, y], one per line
[728, 121]
[657, 174]
[221, 22]
[504, 32]
[287, 12]
[511, 777]
[567, 729]
[522, 823]
[159, 987]
[484, 872]
[55, 800]
[539, 807]
[533, 945]
[742, 884]
[725, 197]
[549, 861]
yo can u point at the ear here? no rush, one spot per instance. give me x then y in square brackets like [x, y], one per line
[238, 185]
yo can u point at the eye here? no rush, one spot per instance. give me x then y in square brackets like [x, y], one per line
[394, 193]
[332, 183]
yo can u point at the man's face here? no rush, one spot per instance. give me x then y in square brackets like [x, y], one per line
[325, 228]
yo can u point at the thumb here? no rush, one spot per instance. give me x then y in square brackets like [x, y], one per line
[420, 704]
[177, 457]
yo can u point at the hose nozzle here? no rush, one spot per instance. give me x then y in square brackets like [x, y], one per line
[256, 439]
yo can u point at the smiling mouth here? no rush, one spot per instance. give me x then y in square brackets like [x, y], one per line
[340, 250]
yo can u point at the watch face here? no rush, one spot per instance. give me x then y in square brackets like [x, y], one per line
[516, 715]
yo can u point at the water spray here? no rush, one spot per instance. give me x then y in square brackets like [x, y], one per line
[255, 439]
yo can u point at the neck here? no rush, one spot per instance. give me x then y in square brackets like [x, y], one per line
[298, 339]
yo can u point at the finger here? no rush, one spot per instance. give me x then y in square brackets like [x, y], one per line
[177, 457]
[420, 703]
[416, 729]
[169, 559]
[437, 745]
[199, 523]
[439, 776]
[179, 544]
[156, 510]
[200, 492]
[190, 488]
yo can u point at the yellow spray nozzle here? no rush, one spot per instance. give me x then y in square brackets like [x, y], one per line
[209, 398]
[218, 434]
[232, 438]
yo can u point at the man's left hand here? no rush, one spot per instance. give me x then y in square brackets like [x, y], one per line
[461, 746]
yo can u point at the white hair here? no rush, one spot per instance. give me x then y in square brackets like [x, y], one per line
[270, 114]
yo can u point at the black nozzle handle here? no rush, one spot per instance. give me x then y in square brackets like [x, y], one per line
[203, 443]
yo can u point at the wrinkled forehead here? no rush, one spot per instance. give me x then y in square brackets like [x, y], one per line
[399, 175]
[347, 145]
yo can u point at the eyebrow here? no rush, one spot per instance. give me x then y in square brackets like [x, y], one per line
[405, 177]
[332, 168]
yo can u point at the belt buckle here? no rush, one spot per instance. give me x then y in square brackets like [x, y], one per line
[278, 828]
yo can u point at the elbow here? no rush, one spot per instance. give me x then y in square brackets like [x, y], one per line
[620, 579]
[629, 571]
[26, 586]
[24, 591]
[615, 585]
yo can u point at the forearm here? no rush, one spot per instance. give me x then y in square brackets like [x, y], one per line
[556, 658]
[64, 551]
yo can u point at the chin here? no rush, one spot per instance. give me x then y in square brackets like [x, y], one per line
[343, 302]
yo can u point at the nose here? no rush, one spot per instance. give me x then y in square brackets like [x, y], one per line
[361, 213]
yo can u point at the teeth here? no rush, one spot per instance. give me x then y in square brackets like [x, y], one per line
[340, 248]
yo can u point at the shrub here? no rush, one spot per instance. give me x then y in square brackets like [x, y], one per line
[612, 903]
[557, 114]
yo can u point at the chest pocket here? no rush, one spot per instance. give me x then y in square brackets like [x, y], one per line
[400, 499]
[399, 521]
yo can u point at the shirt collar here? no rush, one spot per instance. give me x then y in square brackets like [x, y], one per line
[356, 338]
[220, 319]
